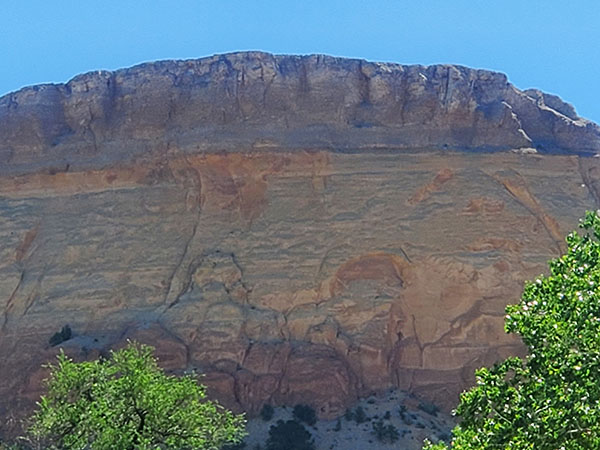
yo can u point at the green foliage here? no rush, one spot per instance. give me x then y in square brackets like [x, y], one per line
[305, 413]
[267, 412]
[349, 415]
[385, 433]
[289, 435]
[407, 419]
[60, 336]
[338, 425]
[551, 399]
[429, 408]
[128, 402]
[4, 446]
[360, 416]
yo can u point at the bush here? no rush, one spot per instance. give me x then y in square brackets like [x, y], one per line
[387, 434]
[5, 446]
[360, 416]
[267, 412]
[429, 408]
[338, 425]
[306, 414]
[289, 435]
[406, 418]
[349, 415]
[60, 336]
[444, 436]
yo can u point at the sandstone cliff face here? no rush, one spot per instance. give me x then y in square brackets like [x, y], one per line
[260, 101]
[298, 228]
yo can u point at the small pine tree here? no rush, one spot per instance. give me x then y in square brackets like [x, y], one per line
[60, 336]
[349, 415]
[338, 425]
[289, 435]
[360, 416]
[305, 413]
[385, 433]
[267, 412]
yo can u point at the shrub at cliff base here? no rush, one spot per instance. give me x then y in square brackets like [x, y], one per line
[128, 402]
[289, 435]
[267, 412]
[549, 400]
[305, 413]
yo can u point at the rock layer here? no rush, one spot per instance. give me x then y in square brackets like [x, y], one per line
[300, 229]
[261, 101]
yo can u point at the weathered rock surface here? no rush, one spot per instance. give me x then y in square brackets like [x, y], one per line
[300, 229]
[260, 101]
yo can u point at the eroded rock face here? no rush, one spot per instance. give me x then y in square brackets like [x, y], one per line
[261, 101]
[294, 227]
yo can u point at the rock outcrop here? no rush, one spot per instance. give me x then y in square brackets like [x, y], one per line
[257, 101]
[300, 229]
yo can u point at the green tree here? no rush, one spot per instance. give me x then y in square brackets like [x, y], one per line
[127, 402]
[551, 399]
[4, 446]
[289, 435]
[267, 412]
[360, 416]
[386, 433]
[305, 413]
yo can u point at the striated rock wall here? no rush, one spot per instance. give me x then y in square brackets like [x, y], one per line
[300, 229]
[260, 101]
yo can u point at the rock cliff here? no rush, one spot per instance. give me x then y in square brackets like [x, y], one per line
[298, 228]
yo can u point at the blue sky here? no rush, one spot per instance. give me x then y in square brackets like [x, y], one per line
[548, 44]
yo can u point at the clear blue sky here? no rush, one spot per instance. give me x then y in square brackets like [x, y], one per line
[548, 44]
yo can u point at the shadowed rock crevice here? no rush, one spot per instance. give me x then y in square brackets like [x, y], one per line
[516, 186]
[16, 304]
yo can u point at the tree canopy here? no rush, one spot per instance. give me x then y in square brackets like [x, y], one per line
[127, 402]
[549, 400]
[289, 435]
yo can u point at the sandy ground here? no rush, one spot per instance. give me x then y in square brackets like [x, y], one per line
[407, 414]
